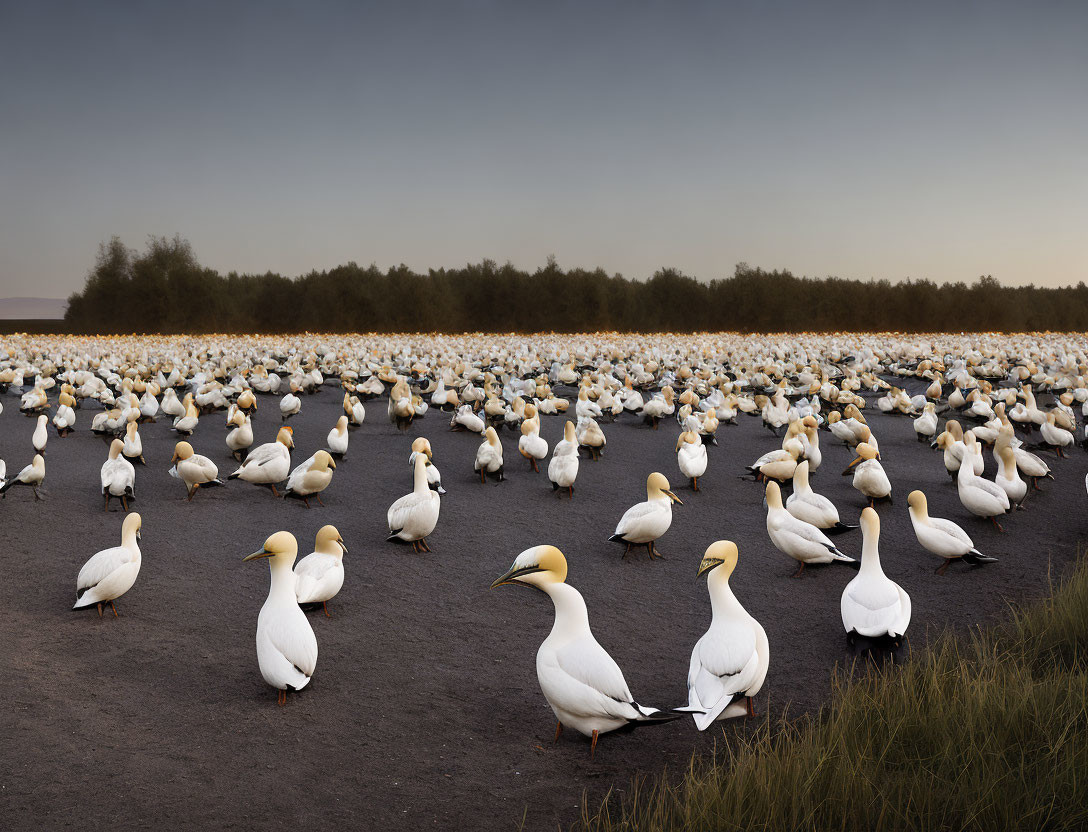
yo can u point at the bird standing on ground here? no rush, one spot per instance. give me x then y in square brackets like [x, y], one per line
[193, 469]
[563, 468]
[942, 537]
[582, 683]
[320, 575]
[311, 478]
[32, 475]
[118, 477]
[286, 645]
[729, 663]
[873, 605]
[109, 574]
[489, 456]
[645, 522]
[800, 540]
[269, 463]
[413, 517]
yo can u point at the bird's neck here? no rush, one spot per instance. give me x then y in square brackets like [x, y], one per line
[571, 615]
[723, 603]
[420, 481]
[283, 579]
[870, 556]
[128, 540]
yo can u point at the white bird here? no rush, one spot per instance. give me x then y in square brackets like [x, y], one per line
[65, 418]
[590, 436]
[421, 445]
[353, 408]
[531, 444]
[645, 522]
[1053, 435]
[240, 437]
[805, 504]
[133, 446]
[1007, 476]
[563, 467]
[779, 464]
[869, 475]
[286, 645]
[980, 496]
[691, 457]
[489, 456]
[337, 440]
[170, 404]
[193, 469]
[873, 605]
[41, 434]
[729, 663]
[925, 426]
[464, 419]
[290, 404]
[269, 463]
[32, 475]
[320, 575]
[800, 540]
[117, 476]
[109, 574]
[582, 683]
[311, 478]
[942, 537]
[413, 517]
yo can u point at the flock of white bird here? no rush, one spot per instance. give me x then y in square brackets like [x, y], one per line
[798, 385]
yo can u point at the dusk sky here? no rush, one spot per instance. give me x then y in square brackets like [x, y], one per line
[941, 140]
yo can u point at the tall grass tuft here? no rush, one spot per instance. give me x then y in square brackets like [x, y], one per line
[984, 734]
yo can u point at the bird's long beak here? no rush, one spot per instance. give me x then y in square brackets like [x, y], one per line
[138, 535]
[673, 497]
[332, 464]
[851, 465]
[342, 546]
[174, 458]
[264, 553]
[707, 565]
[509, 577]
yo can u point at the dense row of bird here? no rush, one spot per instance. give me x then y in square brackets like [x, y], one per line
[799, 387]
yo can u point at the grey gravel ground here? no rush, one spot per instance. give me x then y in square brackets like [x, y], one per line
[424, 711]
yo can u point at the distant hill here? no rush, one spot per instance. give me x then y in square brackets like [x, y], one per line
[33, 308]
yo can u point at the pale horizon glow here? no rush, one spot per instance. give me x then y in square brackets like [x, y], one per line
[929, 140]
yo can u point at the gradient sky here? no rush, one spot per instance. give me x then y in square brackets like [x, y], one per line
[864, 139]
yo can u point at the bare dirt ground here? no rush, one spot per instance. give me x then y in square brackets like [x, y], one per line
[424, 711]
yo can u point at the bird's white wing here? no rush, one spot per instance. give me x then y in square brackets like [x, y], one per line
[632, 516]
[724, 663]
[297, 644]
[870, 605]
[807, 531]
[261, 455]
[309, 574]
[594, 678]
[400, 512]
[101, 566]
[952, 529]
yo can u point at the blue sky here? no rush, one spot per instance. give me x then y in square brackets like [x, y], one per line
[857, 139]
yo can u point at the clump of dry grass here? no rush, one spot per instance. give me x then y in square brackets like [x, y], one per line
[987, 735]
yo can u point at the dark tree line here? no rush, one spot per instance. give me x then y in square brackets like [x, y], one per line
[165, 290]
